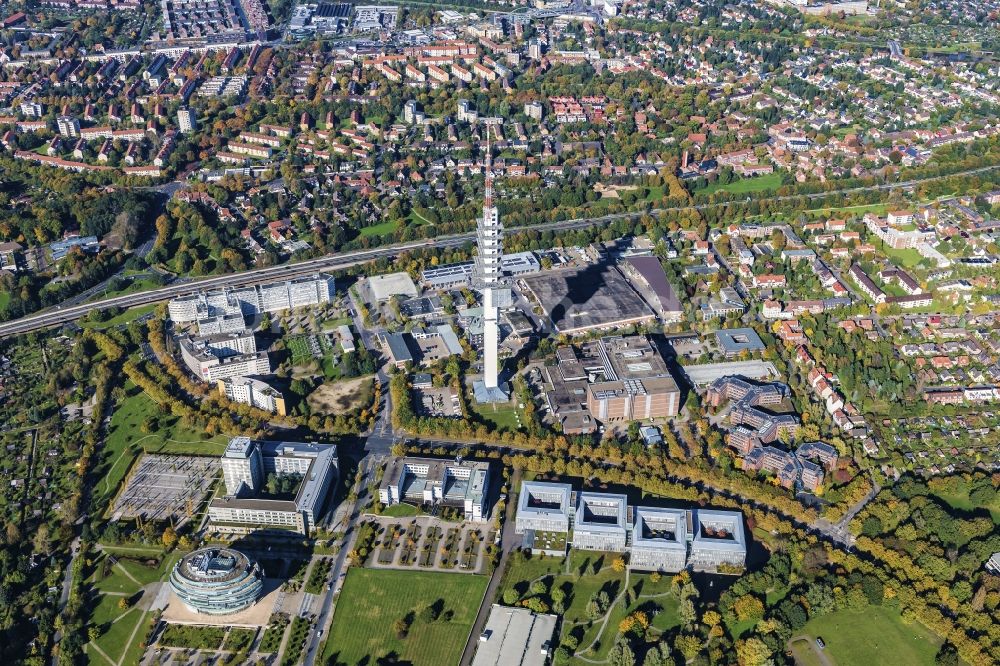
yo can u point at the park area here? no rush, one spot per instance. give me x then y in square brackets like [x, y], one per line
[584, 576]
[375, 605]
[875, 635]
[771, 181]
[118, 616]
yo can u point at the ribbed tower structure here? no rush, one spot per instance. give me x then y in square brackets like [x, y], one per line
[489, 236]
[490, 282]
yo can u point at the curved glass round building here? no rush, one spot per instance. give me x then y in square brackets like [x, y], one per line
[217, 581]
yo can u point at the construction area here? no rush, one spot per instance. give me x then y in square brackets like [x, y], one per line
[166, 488]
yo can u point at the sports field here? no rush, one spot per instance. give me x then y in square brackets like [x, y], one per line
[373, 600]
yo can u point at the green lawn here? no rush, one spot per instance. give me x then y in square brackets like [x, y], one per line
[771, 181]
[372, 600]
[962, 502]
[126, 441]
[116, 581]
[4, 300]
[117, 626]
[114, 638]
[416, 219]
[381, 229]
[401, 511]
[580, 581]
[133, 286]
[874, 636]
[503, 417]
[239, 639]
[124, 318]
[907, 258]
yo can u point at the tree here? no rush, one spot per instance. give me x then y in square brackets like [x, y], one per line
[40, 542]
[621, 655]
[688, 645]
[618, 565]
[123, 603]
[752, 652]
[401, 628]
[711, 618]
[947, 656]
[687, 612]
[510, 597]
[658, 655]
[748, 607]
[169, 537]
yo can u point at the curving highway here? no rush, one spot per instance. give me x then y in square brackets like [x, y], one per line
[63, 314]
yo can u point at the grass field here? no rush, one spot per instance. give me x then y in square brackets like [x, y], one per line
[124, 318]
[126, 441]
[907, 258]
[771, 181]
[874, 636]
[401, 511]
[504, 417]
[122, 632]
[962, 502]
[372, 600]
[132, 286]
[381, 229]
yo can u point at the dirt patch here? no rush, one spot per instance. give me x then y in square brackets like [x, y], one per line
[341, 397]
[806, 653]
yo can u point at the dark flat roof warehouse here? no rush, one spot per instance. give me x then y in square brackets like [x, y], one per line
[652, 272]
[597, 296]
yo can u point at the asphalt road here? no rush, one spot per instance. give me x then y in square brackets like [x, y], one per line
[61, 315]
[509, 541]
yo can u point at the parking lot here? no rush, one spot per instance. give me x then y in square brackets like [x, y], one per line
[437, 402]
[427, 542]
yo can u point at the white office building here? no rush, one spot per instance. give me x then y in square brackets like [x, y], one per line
[544, 507]
[68, 126]
[231, 323]
[242, 467]
[247, 463]
[215, 357]
[659, 539]
[248, 301]
[462, 485]
[717, 540]
[253, 392]
[601, 522]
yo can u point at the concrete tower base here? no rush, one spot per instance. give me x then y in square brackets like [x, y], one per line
[486, 395]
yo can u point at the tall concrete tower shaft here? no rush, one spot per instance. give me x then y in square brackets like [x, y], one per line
[489, 237]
